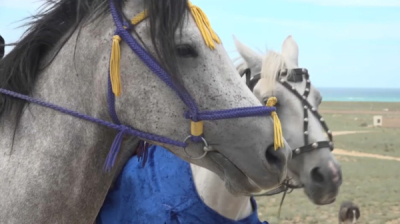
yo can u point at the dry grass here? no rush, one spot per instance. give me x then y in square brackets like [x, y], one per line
[373, 184]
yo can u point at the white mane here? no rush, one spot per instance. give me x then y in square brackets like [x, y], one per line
[269, 64]
[272, 63]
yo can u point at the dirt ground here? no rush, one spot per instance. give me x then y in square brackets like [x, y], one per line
[377, 202]
[336, 133]
[391, 119]
[370, 159]
[359, 112]
[343, 152]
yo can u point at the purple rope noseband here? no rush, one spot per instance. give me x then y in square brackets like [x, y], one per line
[193, 113]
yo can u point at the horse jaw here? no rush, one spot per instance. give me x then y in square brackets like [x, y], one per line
[211, 189]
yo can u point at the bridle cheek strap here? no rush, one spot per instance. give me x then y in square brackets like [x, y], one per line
[296, 75]
[306, 107]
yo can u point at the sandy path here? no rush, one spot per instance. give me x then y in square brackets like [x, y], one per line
[343, 152]
[336, 133]
[359, 154]
[358, 112]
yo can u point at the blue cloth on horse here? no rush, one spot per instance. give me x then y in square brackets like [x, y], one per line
[163, 192]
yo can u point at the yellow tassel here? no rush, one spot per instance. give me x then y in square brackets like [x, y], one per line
[204, 26]
[278, 136]
[202, 22]
[196, 128]
[139, 17]
[115, 66]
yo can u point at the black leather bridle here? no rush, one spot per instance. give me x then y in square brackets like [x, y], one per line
[297, 75]
[250, 81]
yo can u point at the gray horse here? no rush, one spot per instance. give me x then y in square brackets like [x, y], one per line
[51, 163]
[313, 166]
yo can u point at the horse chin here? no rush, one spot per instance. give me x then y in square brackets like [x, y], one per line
[318, 196]
[236, 181]
[314, 193]
[324, 201]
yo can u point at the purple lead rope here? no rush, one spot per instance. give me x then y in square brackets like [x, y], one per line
[123, 130]
[193, 113]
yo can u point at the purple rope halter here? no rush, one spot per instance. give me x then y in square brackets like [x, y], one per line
[193, 113]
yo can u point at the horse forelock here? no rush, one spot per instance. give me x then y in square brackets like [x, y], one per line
[273, 62]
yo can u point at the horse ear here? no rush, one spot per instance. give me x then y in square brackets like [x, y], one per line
[252, 59]
[290, 51]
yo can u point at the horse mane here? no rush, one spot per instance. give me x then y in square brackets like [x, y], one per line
[272, 63]
[20, 68]
[2, 45]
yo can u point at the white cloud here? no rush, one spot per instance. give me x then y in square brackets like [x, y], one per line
[360, 3]
[331, 30]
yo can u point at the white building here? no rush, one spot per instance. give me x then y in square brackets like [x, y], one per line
[378, 121]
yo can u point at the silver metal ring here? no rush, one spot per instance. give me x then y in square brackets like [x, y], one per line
[206, 148]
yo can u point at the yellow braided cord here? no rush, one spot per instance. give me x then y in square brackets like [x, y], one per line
[139, 17]
[196, 128]
[204, 26]
[115, 66]
[202, 22]
[278, 136]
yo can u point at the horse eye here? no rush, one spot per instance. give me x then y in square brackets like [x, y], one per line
[186, 51]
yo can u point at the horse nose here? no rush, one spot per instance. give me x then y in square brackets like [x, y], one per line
[327, 174]
[277, 159]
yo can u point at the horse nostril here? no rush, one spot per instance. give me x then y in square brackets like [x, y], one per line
[273, 157]
[316, 175]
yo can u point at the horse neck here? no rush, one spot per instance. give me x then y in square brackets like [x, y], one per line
[64, 154]
[212, 190]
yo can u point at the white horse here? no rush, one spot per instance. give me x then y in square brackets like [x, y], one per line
[51, 162]
[313, 167]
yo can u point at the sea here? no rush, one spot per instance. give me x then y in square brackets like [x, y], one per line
[360, 94]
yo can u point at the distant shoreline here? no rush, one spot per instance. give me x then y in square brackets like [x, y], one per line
[360, 95]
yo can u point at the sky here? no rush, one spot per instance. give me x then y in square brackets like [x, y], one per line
[343, 43]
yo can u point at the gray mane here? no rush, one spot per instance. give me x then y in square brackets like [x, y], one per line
[2, 45]
[20, 68]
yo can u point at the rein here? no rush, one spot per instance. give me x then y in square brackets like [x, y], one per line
[195, 116]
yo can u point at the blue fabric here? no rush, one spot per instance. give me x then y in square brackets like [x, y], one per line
[161, 192]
